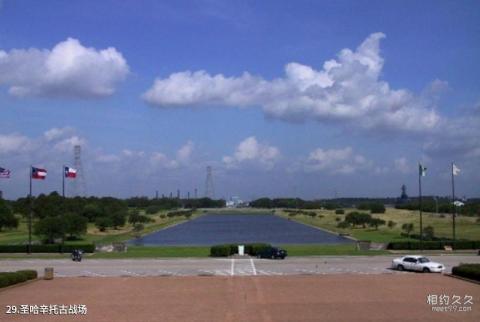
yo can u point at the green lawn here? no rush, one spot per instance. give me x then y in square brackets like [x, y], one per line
[152, 252]
[466, 227]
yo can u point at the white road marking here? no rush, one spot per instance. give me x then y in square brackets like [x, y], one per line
[232, 271]
[253, 266]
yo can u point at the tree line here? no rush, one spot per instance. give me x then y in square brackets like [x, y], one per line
[56, 217]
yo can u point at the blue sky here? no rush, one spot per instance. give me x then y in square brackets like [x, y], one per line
[279, 97]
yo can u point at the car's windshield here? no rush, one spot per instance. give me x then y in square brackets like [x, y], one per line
[423, 260]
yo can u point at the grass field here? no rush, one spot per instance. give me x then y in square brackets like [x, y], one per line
[466, 227]
[20, 235]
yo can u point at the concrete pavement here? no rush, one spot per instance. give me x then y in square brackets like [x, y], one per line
[223, 266]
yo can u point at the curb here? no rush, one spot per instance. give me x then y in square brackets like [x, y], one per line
[463, 278]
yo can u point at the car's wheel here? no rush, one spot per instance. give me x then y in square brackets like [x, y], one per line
[426, 270]
[400, 268]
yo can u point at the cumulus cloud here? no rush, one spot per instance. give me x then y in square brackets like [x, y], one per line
[14, 143]
[336, 161]
[347, 89]
[185, 152]
[67, 70]
[251, 151]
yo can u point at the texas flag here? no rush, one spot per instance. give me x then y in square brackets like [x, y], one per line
[70, 172]
[38, 173]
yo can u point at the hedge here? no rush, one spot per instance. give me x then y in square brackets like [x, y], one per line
[54, 248]
[10, 278]
[433, 245]
[231, 249]
[471, 271]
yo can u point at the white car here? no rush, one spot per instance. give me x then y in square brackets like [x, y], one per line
[417, 263]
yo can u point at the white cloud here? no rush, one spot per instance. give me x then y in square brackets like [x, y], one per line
[56, 133]
[160, 160]
[346, 89]
[402, 165]
[336, 161]
[107, 158]
[66, 145]
[14, 143]
[185, 152]
[67, 70]
[250, 150]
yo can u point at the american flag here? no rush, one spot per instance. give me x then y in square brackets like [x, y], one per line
[4, 173]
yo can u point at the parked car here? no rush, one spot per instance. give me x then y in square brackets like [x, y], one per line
[417, 263]
[273, 252]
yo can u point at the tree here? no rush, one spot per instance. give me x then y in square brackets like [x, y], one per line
[51, 205]
[358, 218]
[7, 219]
[391, 224]
[102, 223]
[118, 219]
[92, 211]
[408, 227]
[428, 233]
[375, 222]
[136, 217]
[75, 225]
[50, 228]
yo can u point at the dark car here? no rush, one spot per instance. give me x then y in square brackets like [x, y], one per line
[273, 252]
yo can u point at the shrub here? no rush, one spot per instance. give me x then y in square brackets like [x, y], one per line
[434, 245]
[221, 250]
[337, 219]
[230, 249]
[471, 271]
[343, 224]
[49, 248]
[339, 211]
[256, 248]
[391, 224]
[10, 278]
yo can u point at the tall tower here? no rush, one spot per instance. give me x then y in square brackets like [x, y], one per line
[79, 185]
[404, 195]
[209, 190]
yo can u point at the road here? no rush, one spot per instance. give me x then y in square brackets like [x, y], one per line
[224, 267]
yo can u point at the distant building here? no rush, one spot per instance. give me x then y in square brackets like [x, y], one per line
[235, 202]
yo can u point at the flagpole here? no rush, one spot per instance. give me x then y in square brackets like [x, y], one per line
[420, 168]
[454, 214]
[63, 181]
[30, 214]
